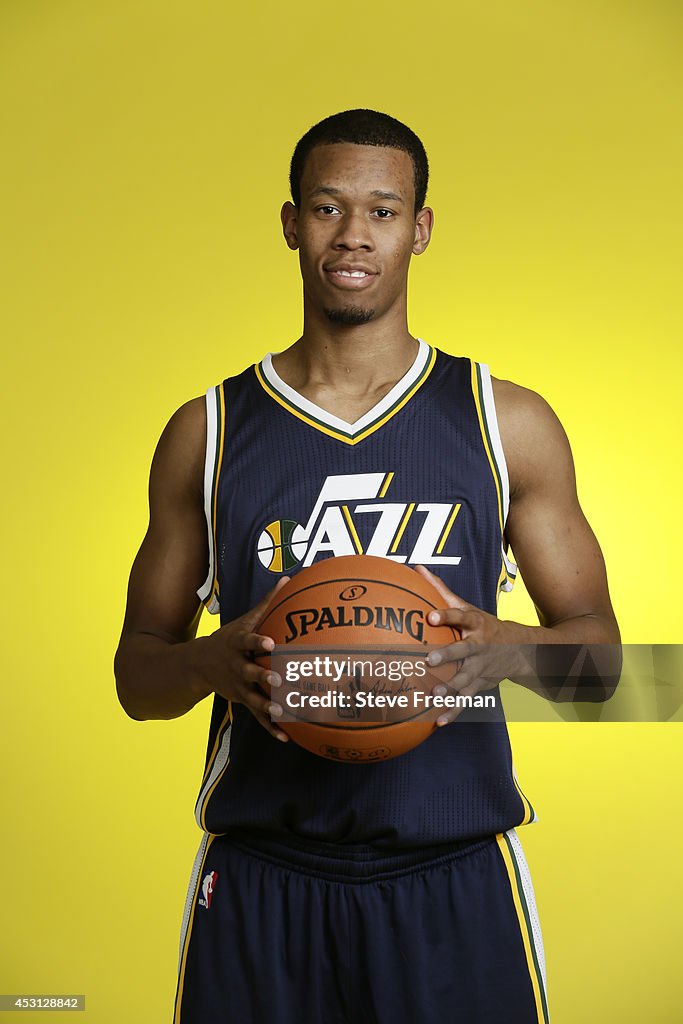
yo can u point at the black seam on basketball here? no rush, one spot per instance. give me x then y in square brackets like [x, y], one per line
[352, 727]
[357, 579]
[306, 649]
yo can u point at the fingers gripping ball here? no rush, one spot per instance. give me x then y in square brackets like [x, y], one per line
[351, 636]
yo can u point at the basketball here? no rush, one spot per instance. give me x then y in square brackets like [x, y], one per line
[351, 639]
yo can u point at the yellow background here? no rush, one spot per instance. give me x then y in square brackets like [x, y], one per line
[146, 149]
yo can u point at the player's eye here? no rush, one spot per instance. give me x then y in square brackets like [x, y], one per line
[384, 214]
[327, 209]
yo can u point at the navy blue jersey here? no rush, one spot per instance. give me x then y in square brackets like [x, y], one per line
[420, 478]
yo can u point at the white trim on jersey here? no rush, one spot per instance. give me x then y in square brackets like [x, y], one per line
[530, 898]
[534, 816]
[212, 400]
[217, 768]
[499, 457]
[494, 434]
[191, 890]
[377, 411]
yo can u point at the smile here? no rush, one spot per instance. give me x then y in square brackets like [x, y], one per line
[350, 278]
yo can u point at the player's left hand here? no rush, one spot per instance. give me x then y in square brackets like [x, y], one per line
[486, 654]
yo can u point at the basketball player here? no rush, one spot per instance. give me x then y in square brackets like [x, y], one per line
[323, 893]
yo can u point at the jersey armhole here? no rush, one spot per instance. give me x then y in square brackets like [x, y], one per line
[482, 387]
[215, 424]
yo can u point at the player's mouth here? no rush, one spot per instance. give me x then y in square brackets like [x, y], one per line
[350, 277]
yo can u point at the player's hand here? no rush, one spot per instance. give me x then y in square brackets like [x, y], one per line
[486, 654]
[229, 670]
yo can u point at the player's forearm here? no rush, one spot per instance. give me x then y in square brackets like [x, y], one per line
[156, 679]
[576, 659]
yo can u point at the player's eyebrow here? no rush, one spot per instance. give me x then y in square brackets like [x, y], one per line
[325, 190]
[377, 193]
[381, 194]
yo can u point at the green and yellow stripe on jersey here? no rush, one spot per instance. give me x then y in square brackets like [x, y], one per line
[193, 891]
[324, 421]
[525, 907]
[215, 438]
[216, 765]
[482, 391]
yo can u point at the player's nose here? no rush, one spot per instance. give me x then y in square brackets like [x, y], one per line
[353, 233]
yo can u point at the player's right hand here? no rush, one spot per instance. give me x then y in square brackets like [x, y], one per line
[227, 665]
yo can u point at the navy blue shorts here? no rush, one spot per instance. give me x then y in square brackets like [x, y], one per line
[276, 934]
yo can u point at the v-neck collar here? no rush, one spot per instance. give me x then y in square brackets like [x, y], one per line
[373, 419]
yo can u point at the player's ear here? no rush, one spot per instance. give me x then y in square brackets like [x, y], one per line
[424, 222]
[289, 216]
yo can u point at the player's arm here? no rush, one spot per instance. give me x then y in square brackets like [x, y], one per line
[555, 549]
[162, 669]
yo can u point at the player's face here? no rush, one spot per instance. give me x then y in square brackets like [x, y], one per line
[356, 230]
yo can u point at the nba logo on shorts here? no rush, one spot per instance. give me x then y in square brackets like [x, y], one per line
[207, 889]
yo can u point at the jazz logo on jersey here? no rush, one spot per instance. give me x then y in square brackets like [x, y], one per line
[208, 885]
[332, 526]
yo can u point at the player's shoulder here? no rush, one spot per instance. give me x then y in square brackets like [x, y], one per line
[532, 436]
[186, 429]
[191, 415]
[180, 453]
[519, 409]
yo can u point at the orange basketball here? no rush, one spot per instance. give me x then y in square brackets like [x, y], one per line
[351, 636]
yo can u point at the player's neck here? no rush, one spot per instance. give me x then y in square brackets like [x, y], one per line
[347, 370]
[359, 360]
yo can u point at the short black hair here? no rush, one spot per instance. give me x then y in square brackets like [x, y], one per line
[363, 128]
